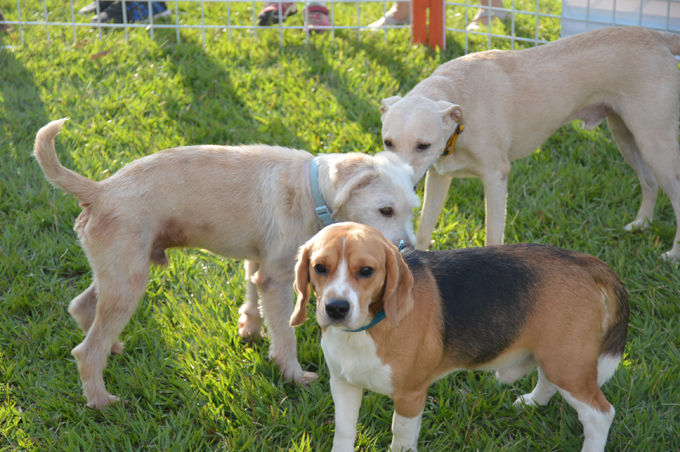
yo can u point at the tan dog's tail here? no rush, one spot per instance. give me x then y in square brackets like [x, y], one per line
[84, 189]
[671, 41]
[616, 330]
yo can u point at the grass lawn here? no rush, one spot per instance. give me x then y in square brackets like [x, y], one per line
[188, 381]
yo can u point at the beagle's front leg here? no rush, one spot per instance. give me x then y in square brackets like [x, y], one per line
[408, 415]
[347, 400]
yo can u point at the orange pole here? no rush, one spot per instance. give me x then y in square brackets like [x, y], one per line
[419, 21]
[437, 35]
[420, 27]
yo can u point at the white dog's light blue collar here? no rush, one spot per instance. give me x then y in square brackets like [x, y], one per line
[320, 206]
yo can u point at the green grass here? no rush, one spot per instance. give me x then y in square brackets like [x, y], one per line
[189, 382]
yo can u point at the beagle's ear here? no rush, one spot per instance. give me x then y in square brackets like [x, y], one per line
[450, 113]
[351, 174]
[398, 283]
[301, 287]
[385, 104]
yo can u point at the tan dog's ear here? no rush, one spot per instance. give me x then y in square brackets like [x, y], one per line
[349, 175]
[301, 287]
[385, 104]
[398, 283]
[450, 113]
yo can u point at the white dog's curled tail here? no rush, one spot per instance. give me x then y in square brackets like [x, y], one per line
[84, 189]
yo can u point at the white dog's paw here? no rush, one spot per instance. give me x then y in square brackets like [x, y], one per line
[117, 347]
[250, 324]
[637, 225]
[524, 401]
[101, 401]
[305, 378]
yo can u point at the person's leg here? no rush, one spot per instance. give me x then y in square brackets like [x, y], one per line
[135, 12]
[91, 8]
[273, 13]
[317, 16]
[399, 14]
[484, 14]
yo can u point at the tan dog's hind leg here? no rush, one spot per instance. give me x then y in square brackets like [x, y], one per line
[650, 187]
[83, 309]
[119, 290]
[251, 321]
[661, 154]
[495, 200]
[276, 295]
[436, 192]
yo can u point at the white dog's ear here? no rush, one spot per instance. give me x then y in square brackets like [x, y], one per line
[385, 104]
[301, 287]
[450, 113]
[349, 175]
[398, 283]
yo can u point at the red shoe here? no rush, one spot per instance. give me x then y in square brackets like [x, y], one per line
[318, 18]
[272, 11]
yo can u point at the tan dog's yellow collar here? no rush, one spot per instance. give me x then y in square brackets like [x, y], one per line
[451, 143]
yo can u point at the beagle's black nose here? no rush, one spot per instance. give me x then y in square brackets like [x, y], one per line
[337, 309]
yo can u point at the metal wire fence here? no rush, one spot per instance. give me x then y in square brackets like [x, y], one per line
[514, 23]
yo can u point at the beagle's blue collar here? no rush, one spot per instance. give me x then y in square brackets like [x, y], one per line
[380, 315]
[377, 318]
[322, 210]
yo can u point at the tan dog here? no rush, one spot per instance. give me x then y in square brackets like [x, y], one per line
[512, 101]
[248, 202]
[508, 308]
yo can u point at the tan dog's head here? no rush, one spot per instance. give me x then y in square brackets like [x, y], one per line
[355, 273]
[417, 128]
[374, 190]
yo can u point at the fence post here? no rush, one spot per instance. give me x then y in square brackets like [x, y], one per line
[420, 27]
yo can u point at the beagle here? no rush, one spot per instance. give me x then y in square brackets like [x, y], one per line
[244, 202]
[508, 308]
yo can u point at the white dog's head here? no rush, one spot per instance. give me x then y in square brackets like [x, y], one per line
[417, 128]
[374, 190]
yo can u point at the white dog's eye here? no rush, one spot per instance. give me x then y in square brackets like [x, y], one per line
[423, 146]
[387, 211]
[320, 269]
[366, 272]
[388, 143]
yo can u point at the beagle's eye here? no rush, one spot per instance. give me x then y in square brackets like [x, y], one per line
[388, 143]
[320, 269]
[366, 272]
[423, 146]
[387, 211]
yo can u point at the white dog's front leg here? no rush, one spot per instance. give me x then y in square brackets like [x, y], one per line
[405, 431]
[347, 400]
[436, 192]
[276, 297]
[495, 198]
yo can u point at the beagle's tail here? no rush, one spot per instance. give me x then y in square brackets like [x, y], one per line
[616, 326]
[84, 189]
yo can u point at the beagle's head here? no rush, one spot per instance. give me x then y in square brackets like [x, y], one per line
[355, 272]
